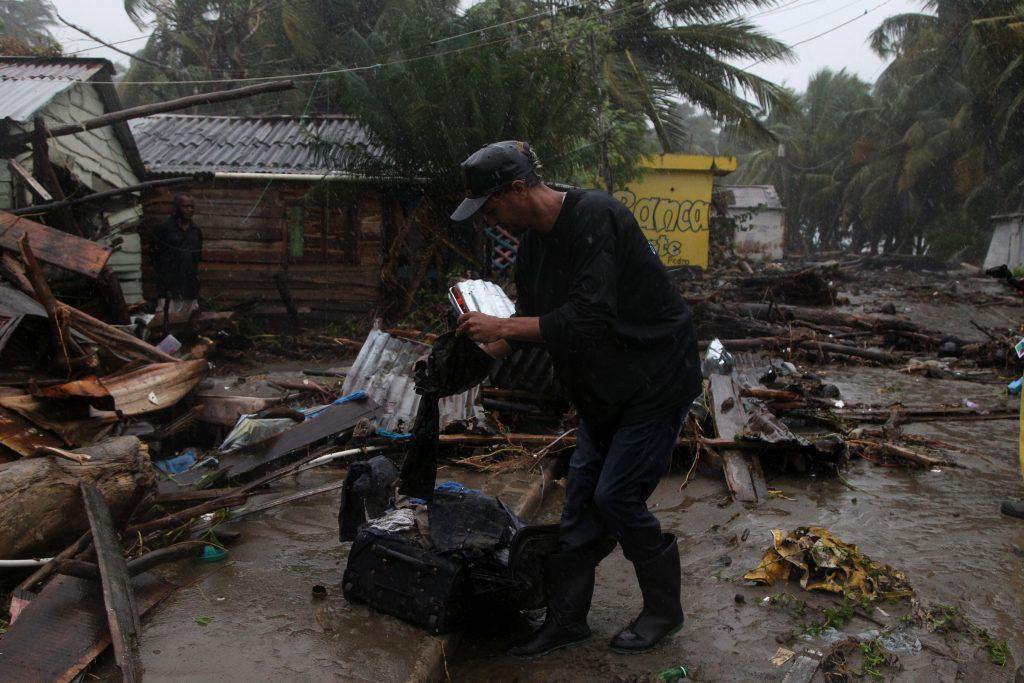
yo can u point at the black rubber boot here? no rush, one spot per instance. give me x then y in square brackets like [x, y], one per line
[1013, 508]
[569, 580]
[662, 614]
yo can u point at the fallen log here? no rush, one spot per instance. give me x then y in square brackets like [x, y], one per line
[41, 507]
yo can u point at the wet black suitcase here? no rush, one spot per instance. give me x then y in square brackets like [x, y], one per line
[519, 585]
[398, 576]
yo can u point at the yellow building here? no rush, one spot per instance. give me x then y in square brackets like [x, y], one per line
[672, 201]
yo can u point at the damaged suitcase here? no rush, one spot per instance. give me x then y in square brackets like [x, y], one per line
[519, 585]
[396, 575]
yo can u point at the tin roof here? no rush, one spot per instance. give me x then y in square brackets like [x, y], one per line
[321, 145]
[384, 370]
[28, 85]
[750, 196]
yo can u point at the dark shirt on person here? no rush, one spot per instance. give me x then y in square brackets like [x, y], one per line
[176, 254]
[620, 336]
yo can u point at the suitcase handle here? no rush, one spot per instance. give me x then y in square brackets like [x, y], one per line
[402, 557]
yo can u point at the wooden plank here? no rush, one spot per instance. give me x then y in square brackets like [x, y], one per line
[65, 628]
[743, 473]
[26, 177]
[802, 671]
[744, 476]
[21, 436]
[118, 595]
[53, 246]
[336, 419]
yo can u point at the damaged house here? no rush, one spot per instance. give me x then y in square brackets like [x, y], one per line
[66, 90]
[290, 225]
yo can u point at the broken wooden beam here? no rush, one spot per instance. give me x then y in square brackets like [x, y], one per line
[31, 183]
[63, 344]
[107, 194]
[17, 140]
[118, 594]
[52, 246]
[43, 168]
[91, 571]
[743, 473]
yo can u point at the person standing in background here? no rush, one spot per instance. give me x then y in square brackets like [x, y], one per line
[176, 251]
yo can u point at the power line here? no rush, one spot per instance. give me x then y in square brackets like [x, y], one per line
[488, 28]
[366, 67]
[819, 17]
[782, 8]
[823, 33]
[100, 45]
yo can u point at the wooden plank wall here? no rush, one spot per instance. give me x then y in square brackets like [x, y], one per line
[328, 245]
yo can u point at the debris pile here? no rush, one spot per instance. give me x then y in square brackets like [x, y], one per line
[821, 561]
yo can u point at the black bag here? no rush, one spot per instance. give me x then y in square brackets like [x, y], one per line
[398, 576]
[520, 585]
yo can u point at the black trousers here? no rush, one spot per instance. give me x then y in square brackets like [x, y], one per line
[612, 473]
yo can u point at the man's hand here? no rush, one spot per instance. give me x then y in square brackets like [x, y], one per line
[481, 328]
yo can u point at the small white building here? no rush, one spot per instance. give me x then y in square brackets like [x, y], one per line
[1006, 246]
[759, 219]
[71, 90]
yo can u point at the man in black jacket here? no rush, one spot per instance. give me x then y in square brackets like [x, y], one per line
[592, 291]
[176, 249]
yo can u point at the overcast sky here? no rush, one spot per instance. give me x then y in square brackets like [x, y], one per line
[791, 21]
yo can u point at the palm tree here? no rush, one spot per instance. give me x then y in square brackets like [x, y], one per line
[818, 139]
[29, 21]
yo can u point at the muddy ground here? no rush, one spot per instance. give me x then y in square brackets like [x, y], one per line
[251, 617]
[943, 528]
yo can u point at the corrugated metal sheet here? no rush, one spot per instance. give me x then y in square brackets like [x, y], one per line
[28, 85]
[486, 297]
[384, 370]
[750, 196]
[527, 369]
[176, 143]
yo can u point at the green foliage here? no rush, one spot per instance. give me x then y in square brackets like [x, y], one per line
[832, 617]
[928, 155]
[873, 658]
[28, 23]
[582, 81]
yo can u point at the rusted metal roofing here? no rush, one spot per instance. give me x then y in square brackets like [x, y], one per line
[750, 196]
[384, 370]
[28, 85]
[322, 145]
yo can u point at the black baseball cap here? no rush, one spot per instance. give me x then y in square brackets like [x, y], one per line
[490, 169]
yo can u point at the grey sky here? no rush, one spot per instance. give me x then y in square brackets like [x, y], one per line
[792, 21]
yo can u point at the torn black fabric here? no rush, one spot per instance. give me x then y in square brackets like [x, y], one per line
[368, 492]
[455, 364]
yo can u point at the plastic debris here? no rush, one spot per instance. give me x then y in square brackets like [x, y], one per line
[250, 429]
[179, 463]
[169, 345]
[717, 361]
[1014, 386]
